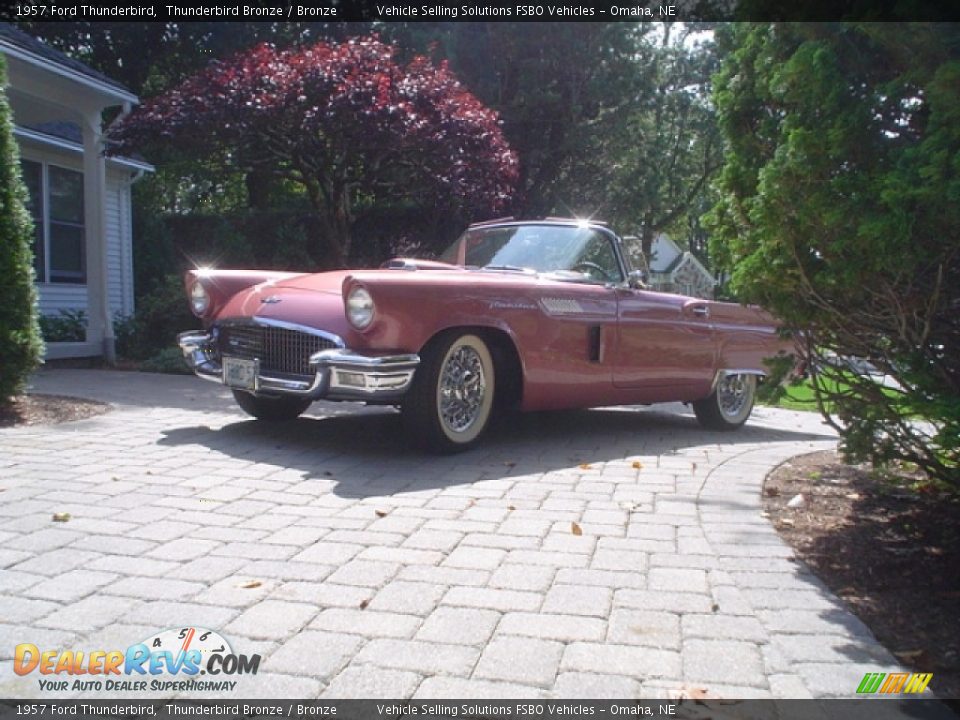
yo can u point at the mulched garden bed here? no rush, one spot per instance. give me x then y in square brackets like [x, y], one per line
[46, 409]
[888, 546]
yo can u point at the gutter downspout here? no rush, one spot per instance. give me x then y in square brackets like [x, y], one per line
[109, 339]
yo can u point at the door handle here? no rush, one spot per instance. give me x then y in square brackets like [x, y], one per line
[701, 311]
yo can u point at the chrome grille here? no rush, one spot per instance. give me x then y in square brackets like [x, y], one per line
[278, 349]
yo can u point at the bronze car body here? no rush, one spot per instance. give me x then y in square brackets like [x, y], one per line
[566, 326]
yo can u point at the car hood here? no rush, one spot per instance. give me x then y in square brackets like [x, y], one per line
[313, 301]
[325, 282]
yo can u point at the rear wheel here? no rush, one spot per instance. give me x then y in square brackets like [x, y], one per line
[270, 408]
[730, 404]
[451, 400]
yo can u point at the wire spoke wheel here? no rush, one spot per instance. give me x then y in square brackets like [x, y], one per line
[462, 389]
[730, 404]
[451, 400]
[732, 395]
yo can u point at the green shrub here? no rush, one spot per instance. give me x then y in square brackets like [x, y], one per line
[67, 326]
[169, 360]
[126, 331]
[21, 346]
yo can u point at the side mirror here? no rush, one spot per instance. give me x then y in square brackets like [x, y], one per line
[638, 279]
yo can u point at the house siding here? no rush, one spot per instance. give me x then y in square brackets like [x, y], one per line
[54, 297]
[119, 239]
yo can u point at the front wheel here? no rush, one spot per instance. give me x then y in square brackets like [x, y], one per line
[729, 405]
[450, 402]
[270, 408]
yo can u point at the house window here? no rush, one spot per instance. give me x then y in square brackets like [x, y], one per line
[56, 204]
[33, 179]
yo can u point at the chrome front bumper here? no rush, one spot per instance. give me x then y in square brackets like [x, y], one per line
[337, 373]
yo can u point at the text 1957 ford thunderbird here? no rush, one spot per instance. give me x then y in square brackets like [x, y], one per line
[538, 315]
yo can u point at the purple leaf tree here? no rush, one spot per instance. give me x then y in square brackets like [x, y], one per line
[342, 120]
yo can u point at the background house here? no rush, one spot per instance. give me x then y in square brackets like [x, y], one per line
[79, 198]
[677, 271]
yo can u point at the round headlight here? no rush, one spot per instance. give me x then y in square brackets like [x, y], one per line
[199, 299]
[359, 308]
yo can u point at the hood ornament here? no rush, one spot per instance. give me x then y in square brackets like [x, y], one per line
[270, 300]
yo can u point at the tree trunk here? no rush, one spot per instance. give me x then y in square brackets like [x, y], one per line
[331, 234]
[258, 182]
[647, 232]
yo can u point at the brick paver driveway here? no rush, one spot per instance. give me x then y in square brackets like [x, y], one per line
[383, 572]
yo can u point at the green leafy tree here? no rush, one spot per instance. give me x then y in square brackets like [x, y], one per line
[660, 163]
[611, 120]
[840, 212]
[560, 89]
[21, 347]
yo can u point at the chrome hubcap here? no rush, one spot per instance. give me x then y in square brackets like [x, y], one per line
[733, 395]
[462, 389]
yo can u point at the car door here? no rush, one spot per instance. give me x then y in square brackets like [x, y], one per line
[664, 341]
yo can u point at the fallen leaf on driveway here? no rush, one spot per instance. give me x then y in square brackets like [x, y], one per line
[250, 584]
[637, 465]
[363, 604]
[908, 655]
[695, 693]
[510, 507]
[61, 517]
[576, 529]
[586, 466]
[381, 513]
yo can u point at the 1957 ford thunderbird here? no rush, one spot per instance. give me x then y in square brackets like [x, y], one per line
[538, 315]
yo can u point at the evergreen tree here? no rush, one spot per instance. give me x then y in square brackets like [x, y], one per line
[21, 347]
[840, 212]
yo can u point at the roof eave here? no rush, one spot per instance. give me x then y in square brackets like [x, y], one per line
[112, 91]
[63, 144]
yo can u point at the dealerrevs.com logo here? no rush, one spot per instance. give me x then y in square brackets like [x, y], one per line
[181, 659]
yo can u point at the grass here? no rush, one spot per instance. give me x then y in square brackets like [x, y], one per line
[801, 396]
[797, 397]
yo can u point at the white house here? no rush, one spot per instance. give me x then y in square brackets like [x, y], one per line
[678, 271]
[79, 198]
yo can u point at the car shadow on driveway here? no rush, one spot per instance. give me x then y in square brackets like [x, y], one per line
[366, 454]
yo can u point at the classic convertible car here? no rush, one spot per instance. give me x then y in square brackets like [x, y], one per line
[537, 315]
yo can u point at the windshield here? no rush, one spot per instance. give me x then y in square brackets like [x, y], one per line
[576, 253]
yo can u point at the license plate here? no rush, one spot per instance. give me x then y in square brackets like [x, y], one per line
[240, 373]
